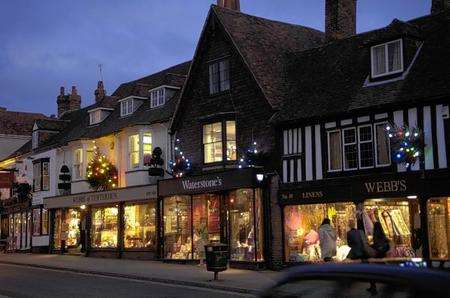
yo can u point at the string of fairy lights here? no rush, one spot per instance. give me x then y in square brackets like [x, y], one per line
[406, 144]
[101, 174]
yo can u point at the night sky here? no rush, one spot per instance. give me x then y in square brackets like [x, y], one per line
[45, 44]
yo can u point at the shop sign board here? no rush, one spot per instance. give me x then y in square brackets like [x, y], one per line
[396, 185]
[312, 194]
[103, 197]
[207, 183]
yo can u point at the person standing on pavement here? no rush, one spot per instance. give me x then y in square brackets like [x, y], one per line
[327, 238]
[357, 241]
[380, 241]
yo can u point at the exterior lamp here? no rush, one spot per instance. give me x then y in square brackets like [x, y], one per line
[83, 207]
[260, 177]
[411, 197]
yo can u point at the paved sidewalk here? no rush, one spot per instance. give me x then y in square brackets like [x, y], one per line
[242, 281]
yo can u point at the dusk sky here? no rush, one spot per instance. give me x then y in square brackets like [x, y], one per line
[45, 44]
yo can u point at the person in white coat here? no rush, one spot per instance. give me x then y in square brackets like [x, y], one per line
[327, 237]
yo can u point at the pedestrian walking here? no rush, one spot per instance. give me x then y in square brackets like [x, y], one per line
[380, 241]
[327, 238]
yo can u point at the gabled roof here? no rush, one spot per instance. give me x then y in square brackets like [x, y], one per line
[18, 123]
[264, 44]
[330, 79]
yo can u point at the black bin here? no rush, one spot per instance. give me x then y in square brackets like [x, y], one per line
[216, 258]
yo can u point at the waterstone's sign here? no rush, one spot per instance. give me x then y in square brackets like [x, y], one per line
[103, 197]
[226, 180]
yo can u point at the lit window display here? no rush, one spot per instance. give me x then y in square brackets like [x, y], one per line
[206, 222]
[140, 226]
[36, 222]
[72, 223]
[177, 227]
[57, 229]
[44, 222]
[400, 220]
[301, 230]
[17, 227]
[439, 228]
[104, 227]
[242, 225]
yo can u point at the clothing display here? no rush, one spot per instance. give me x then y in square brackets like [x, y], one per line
[439, 228]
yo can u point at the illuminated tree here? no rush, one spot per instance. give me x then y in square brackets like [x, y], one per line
[101, 174]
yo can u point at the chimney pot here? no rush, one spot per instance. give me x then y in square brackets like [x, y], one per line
[74, 90]
[100, 92]
[231, 4]
[438, 6]
[340, 19]
[61, 90]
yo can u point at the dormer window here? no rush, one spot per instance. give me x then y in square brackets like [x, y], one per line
[126, 107]
[387, 58]
[98, 115]
[157, 97]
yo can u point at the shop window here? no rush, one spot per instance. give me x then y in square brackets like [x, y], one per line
[57, 229]
[382, 145]
[301, 230]
[350, 149]
[44, 216]
[242, 220]
[36, 222]
[133, 151]
[212, 142]
[365, 146]
[334, 151]
[140, 226]
[400, 219]
[439, 228]
[219, 76]
[206, 222]
[104, 227]
[78, 164]
[72, 227]
[177, 227]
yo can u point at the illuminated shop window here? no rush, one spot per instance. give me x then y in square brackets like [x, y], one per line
[72, 227]
[140, 226]
[301, 230]
[177, 227]
[439, 228]
[104, 227]
[44, 222]
[36, 222]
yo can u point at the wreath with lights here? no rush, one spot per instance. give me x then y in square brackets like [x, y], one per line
[101, 174]
[406, 143]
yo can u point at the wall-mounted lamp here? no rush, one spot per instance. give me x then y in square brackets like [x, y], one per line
[83, 207]
[411, 197]
[260, 177]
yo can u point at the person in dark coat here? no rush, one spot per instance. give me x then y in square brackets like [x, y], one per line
[355, 239]
[380, 241]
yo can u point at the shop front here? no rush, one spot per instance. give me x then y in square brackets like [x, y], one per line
[224, 207]
[407, 206]
[16, 224]
[117, 223]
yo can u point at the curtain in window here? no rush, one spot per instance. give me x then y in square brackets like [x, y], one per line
[394, 56]
[335, 150]
[383, 155]
[379, 60]
[214, 78]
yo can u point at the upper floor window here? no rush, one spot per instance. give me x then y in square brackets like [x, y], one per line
[133, 151]
[140, 146]
[361, 147]
[387, 58]
[95, 117]
[126, 107]
[157, 97]
[78, 164]
[217, 136]
[219, 76]
[41, 175]
[147, 145]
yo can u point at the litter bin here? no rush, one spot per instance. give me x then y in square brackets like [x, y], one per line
[216, 258]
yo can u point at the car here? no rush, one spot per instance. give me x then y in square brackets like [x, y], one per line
[361, 280]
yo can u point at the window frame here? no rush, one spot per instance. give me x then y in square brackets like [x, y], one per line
[359, 142]
[157, 97]
[140, 150]
[375, 144]
[386, 49]
[224, 141]
[349, 144]
[78, 163]
[39, 166]
[222, 84]
[130, 152]
[329, 149]
[125, 106]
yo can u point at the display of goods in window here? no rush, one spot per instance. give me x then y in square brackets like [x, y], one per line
[407, 144]
[101, 173]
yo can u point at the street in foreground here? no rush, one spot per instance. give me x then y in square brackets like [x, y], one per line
[19, 281]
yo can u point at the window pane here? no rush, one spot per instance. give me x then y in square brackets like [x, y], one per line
[224, 75]
[349, 136]
[177, 228]
[335, 150]
[104, 227]
[214, 78]
[140, 226]
[36, 222]
[365, 146]
[206, 222]
[301, 228]
[231, 130]
[72, 227]
[439, 228]
[212, 139]
[231, 150]
[130, 106]
[394, 56]
[351, 156]
[147, 143]
[77, 165]
[365, 133]
[57, 228]
[379, 60]
[134, 151]
[37, 176]
[45, 176]
[242, 229]
[383, 154]
[44, 221]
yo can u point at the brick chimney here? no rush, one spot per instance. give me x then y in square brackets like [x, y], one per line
[74, 99]
[231, 4]
[340, 19]
[100, 92]
[69, 102]
[438, 6]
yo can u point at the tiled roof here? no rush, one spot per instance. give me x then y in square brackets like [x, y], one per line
[51, 124]
[264, 45]
[18, 123]
[329, 80]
